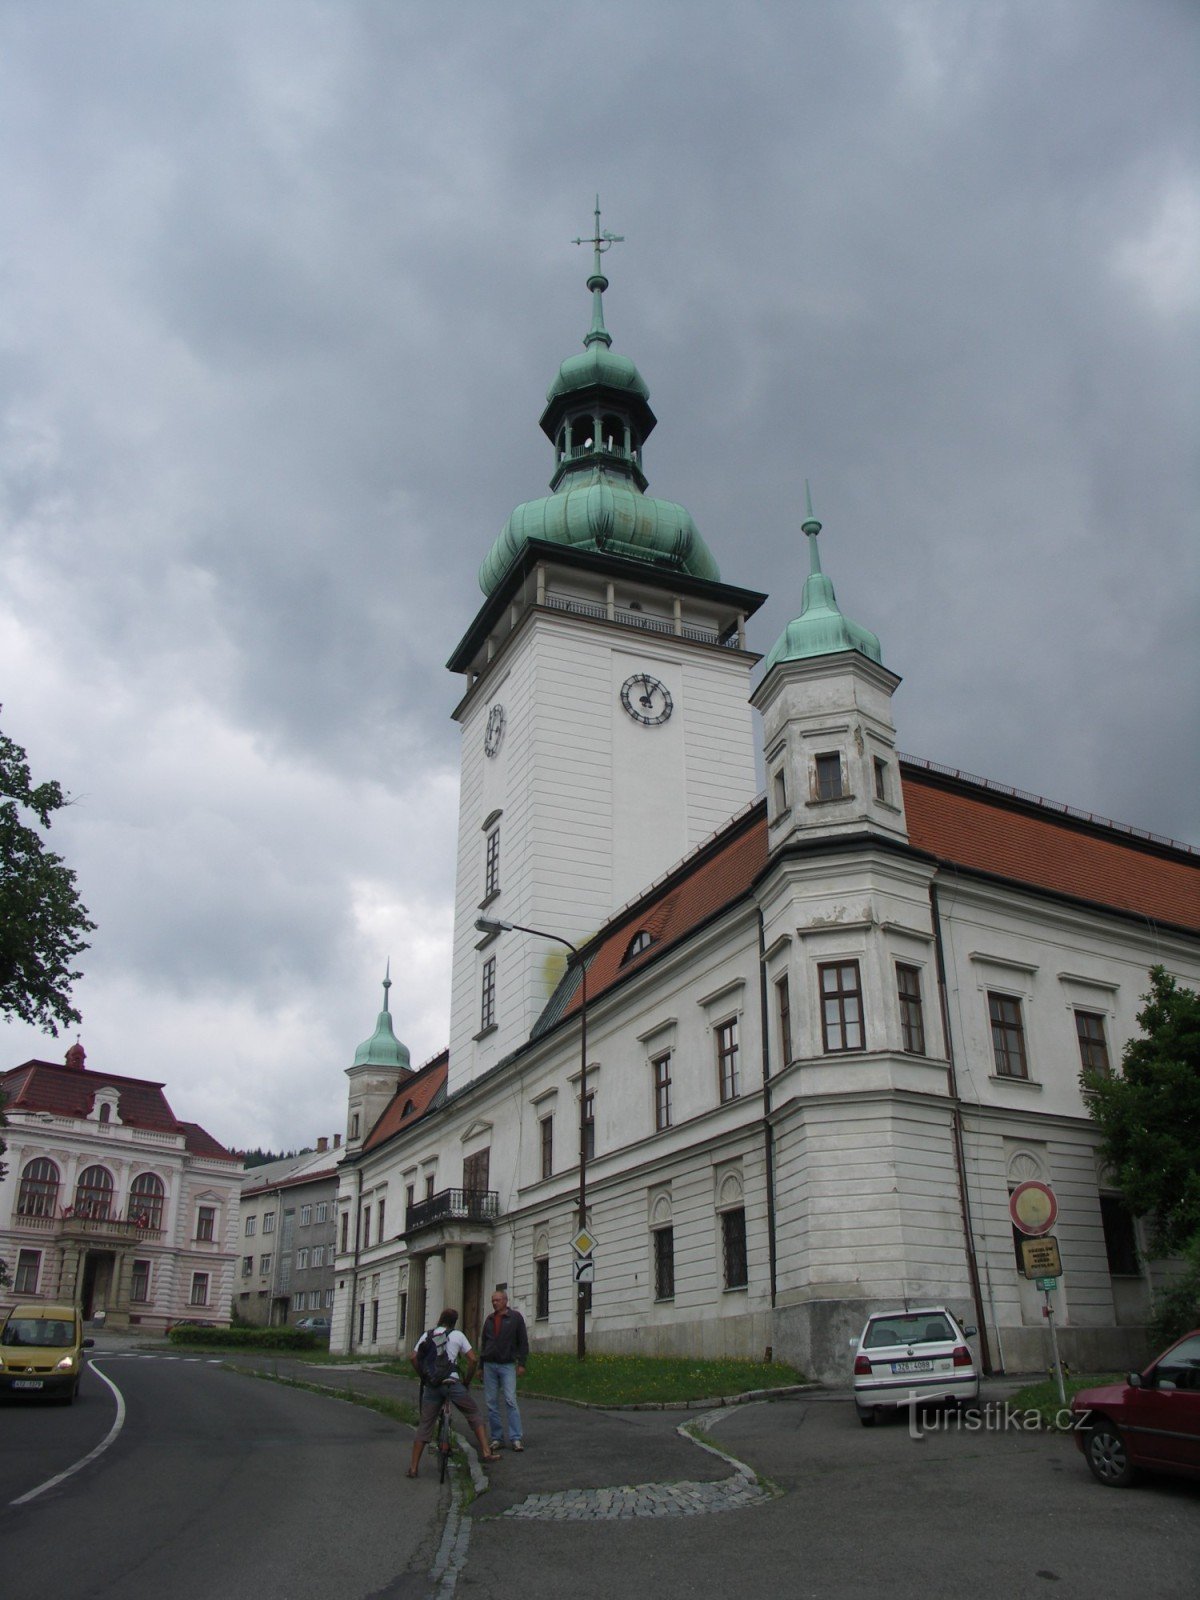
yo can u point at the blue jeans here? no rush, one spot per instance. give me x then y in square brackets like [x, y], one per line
[500, 1379]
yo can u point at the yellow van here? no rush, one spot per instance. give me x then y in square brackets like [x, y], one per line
[41, 1351]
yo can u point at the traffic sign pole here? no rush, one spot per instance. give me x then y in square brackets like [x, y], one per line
[1048, 1313]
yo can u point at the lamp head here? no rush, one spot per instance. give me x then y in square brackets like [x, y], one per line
[492, 925]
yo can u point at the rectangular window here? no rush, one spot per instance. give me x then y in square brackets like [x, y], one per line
[429, 1186]
[268, 1222]
[661, 1066]
[264, 1264]
[829, 776]
[487, 999]
[781, 804]
[206, 1222]
[541, 1270]
[301, 1260]
[733, 1249]
[546, 1129]
[491, 883]
[1093, 1046]
[28, 1266]
[841, 1006]
[1120, 1237]
[477, 1171]
[139, 1282]
[783, 996]
[318, 1255]
[362, 1319]
[664, 1263]
[247, 1266]
[305, 1216]
[379, 1220]
[365, 1225]
[1008, 1036]
[881, 779]
[589, 1125]
[912, 1020]
[374, 1321]
[251, 1225]
[727, 1060]
[323, 1211]
[328, 1299]
[345, 1231]
[409, 1201]
[199, 1295]
[300, 1303]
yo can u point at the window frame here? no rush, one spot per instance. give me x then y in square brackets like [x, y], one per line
[1007, 1032]
[664, 1262]
[541, 1288]
[912, 1009]
[491, 869]
[728, 1046]
[735, 1253]
[487, 996]
[828, 776]
[206, 1224]
[660, 1068]
[1092, 1043]
[546, 1145]
[27, 1272]
[198, 1295]
[783, 1015]
[38, 1193]
[837, 998]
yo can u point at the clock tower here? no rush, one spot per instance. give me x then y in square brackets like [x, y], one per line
[606, 728]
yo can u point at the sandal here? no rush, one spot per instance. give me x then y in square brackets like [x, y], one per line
[489, 1461]
[412, 1473]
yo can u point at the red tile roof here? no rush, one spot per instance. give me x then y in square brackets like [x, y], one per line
[71, 1092]
[411, 1101]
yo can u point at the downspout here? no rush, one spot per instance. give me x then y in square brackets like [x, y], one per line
[768, 1129]
[354, 1268]
[960, 1163]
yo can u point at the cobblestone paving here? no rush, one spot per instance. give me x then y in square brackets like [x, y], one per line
[643, 1500]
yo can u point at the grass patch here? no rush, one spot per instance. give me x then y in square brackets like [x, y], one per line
[619, 1380]
[1043, 1397]
[292, 1340]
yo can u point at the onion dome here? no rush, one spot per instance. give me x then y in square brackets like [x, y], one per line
[383, 1049]
[598, 417]
[820, 629]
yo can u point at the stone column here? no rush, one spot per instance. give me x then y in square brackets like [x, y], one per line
[452, 1285]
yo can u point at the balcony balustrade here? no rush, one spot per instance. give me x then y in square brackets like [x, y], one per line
[454, 1205]
[66, 1222]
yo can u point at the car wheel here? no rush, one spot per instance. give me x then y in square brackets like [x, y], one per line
[1108, 1456]
[867, 1418]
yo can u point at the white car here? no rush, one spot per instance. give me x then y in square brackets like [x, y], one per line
[906, 1358]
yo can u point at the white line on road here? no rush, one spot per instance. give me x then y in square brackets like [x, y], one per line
[118, 1424]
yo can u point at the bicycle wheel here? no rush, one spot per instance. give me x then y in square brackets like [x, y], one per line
[443, 1443]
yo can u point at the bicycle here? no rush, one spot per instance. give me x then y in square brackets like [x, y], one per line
[444, 1438]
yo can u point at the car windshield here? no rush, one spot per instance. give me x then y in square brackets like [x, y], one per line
[929, 1327]
[37, 1331]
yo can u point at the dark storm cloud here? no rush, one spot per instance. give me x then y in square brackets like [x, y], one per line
[286, 285]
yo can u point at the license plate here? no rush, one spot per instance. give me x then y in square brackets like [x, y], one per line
[912, 1366]
[27, 1383]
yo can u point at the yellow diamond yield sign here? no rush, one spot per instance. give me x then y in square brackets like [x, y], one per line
[584, 1242]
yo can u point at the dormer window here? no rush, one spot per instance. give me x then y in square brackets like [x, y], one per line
[640, 941]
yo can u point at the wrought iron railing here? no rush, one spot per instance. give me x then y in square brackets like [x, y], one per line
[453, 1205]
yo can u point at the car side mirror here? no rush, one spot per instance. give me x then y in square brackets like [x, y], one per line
[853, 1343]
[89, 1344]
[970, 1332]
[1134, 1380]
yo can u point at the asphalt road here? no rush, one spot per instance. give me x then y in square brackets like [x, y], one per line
[217, 1485]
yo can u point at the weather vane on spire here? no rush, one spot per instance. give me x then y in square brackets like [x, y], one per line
[600, 241]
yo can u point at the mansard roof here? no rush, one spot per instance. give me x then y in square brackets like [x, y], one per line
[69, 1091]
[414, 1097]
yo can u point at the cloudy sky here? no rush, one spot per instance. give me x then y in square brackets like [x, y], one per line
[282, 285]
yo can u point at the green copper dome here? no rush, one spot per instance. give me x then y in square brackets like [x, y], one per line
[383, 1049]
[597, 417]
[820, 629]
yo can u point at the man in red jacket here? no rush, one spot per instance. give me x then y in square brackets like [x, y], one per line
[503, 1352]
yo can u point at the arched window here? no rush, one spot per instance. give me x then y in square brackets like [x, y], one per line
[94, 1193]
[38, 1195]
[640, 941]
[105, 1112]
[146, 1200]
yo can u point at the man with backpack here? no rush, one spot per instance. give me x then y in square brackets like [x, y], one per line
[435, 1361]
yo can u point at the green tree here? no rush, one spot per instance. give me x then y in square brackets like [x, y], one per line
[42, 920]
[4, 1277]
[1149, 1115]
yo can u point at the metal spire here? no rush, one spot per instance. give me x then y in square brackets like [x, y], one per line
[600, 241]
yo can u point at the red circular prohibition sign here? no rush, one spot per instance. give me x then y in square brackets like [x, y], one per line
[1033, 1208]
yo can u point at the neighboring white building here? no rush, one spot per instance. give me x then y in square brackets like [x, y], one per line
[828, 1031]
[110, 1201]
[286, 1237]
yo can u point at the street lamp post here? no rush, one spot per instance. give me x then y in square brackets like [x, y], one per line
[495, 926]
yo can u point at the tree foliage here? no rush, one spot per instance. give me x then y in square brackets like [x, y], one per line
[1150, 1115]
[42, 920]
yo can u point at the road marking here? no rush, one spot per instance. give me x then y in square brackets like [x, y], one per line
[118, 1424]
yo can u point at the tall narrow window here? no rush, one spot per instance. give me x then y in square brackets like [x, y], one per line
[783, 998]
[29, 1264]
[38, 1194]
[379, 1220]
[1093, 1046]
[365, 1226]
[1008, 1036]
[429, 1182]
[912, 1021]
[268, 1222]
[491, 881]
[829, 776]
[477, 1170]
[841, 1006]
[146, 1200]
[487, 1003]
[206, 1223]
[409, 1197]
[139, 1282]
[727, 1060]
[733, 1248]
[589, 1125]
[881, 779]
[541, 1295]
[199, 1295]
[780, 788]
[94, 1193]
[345, 1231]
[546, 1129]
[661, 1067]
[664, 1263]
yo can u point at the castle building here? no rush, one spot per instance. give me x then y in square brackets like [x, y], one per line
[801, 1045]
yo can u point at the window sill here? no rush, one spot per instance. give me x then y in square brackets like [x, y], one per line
[736, 1288]
[483, 1032]
[830, 800]
[664, 1299]
[488, 899]
[1025, 1083]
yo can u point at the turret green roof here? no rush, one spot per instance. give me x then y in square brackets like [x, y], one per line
[599, 500]
[820, 629]
[383, 1049]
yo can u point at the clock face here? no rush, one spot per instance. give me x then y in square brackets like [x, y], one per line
[646, 700]
[495, 730]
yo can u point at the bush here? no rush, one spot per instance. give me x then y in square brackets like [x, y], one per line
[1177, 1306]
[248, 1338]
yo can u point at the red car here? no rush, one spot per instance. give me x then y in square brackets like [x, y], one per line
[1151, 1420]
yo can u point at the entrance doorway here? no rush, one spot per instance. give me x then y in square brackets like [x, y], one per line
[472, 1312]
[97, 1289]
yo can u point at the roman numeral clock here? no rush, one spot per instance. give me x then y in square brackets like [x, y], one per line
[646, 699]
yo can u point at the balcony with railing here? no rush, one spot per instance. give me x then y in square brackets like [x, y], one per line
[70, 1222]
[478, 1206]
